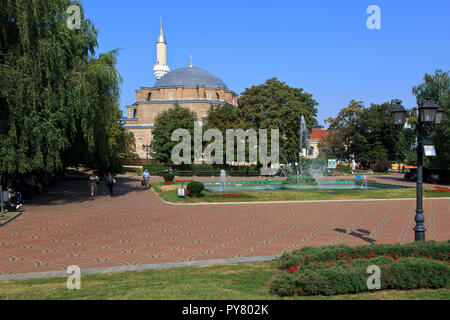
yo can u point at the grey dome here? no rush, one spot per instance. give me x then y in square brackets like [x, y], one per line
[190, 77]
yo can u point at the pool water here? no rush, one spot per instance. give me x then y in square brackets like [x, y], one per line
[245, 186]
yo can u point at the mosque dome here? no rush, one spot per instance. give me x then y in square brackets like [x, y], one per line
[190, 77]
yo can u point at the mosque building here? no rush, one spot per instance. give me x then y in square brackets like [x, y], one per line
[191, 87]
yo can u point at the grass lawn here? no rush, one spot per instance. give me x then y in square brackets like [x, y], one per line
[227, 282]
[6, 216]
[169, 193]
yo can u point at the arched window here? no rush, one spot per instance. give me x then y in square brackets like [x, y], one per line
[170, 95]
[149, 96]
[217, 96]
[134, 113]
[310, 151]
[208, 95]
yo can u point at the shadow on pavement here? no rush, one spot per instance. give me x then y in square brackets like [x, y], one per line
[361, 234]
[76, 190]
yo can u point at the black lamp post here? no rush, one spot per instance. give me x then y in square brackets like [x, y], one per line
[146, 147]
[429, 114]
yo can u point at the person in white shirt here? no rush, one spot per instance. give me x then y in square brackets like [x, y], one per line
[146, 176]
[93, 182]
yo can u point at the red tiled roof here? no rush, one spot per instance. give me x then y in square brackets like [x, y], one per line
[318, 134]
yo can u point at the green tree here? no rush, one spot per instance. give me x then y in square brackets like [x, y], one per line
[166, 122]
[224, 117]
[59, 102]
[275, 105]
[367, 135]
[437, 87]
[342, 132]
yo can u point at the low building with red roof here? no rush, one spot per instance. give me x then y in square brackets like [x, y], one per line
[317, 134]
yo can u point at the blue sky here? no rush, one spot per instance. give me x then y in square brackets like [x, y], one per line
[323, 46]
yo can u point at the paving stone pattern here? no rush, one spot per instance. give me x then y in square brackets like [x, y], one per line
[65, 227]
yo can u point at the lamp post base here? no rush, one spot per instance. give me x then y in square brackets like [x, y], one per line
[419, 234]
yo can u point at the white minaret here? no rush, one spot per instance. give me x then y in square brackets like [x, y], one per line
[161, 67]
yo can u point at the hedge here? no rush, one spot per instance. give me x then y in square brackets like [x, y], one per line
[342, 269]
[429, 249]
[344, 278]
[155, 169]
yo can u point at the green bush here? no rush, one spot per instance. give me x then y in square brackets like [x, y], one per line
[342, 269]
[168, 177]
[155, 169]
[382, 166]
[195, 188]
[344, 278]
[429, 249]
[214, 170]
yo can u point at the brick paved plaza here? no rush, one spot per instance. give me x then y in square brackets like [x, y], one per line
[64, 227]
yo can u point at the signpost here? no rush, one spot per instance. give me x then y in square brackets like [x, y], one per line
[331, 163]
[181, 191]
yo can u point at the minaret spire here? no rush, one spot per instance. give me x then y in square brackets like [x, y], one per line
[190, 64]
[161, 38]
[161, 67]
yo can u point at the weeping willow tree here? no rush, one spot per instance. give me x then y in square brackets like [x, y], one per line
[58, 99]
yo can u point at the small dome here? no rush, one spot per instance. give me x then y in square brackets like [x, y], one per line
[190, 77]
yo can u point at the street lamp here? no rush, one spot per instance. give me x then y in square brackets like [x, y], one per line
[146, 148]
[398, 113]
[439, 115]
[429, 113]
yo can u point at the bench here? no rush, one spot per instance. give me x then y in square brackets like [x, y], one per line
[185, 173]
[203, 173]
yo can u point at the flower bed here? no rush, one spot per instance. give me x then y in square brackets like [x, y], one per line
[227, 195]
[439, 189]
[342, 269]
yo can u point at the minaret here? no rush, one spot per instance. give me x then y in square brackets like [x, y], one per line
[161, 67]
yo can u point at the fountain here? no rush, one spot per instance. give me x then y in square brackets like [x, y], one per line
[304, 178]
[364, 182]
[223, 179]
[301, 173]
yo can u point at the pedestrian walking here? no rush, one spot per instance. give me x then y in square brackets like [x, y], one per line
[146, 177]
[110, 182]
[93, 183]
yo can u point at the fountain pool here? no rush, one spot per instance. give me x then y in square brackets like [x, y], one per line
[246, 186]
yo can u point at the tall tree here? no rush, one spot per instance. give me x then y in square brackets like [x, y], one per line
[165, 123]
[437, 87]
[275, 105]
[342, 131]
[224, 117]
[367, 135]
[59, 102]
